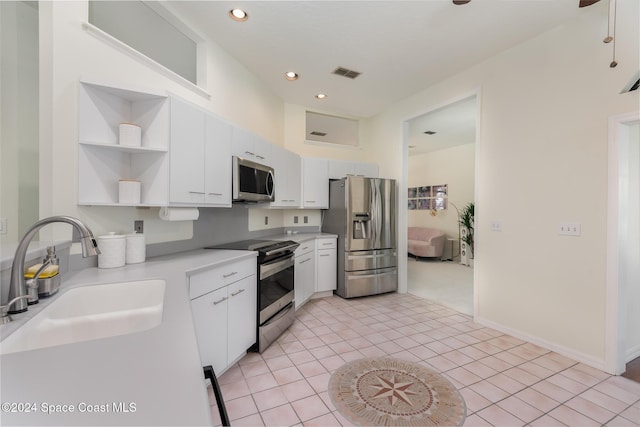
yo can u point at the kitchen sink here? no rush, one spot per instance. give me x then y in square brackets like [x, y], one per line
[89, 313]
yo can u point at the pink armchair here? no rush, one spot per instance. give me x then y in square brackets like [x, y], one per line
[425, 242]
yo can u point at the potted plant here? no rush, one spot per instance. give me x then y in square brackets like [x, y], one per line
[467, 221]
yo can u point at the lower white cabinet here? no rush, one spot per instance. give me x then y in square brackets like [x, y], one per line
[305, 272]
[326, 264]
[224, 315]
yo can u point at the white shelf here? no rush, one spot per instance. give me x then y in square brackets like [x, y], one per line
[103, 162]
[124, 148]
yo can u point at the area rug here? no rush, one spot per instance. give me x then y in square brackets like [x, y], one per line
[384, 391]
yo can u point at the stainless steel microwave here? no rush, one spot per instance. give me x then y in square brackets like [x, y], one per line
[252, 182]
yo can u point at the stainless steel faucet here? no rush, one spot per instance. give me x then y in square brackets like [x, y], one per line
[18, 286]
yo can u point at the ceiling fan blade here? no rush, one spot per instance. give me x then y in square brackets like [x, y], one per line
[459, 2]
[585, 3]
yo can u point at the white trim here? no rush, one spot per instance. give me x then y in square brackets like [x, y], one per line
[564, 351]
[632, 353]
[615, 309]
[125, 48]
[333, 145]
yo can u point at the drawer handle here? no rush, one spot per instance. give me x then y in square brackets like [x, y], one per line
[325, 255]
[233, 273]
[215, 194]
[310, 201]
[250, 153]
[306, 247]
[196, 192]
[259, 156]
[220, 300]
[233, 294]
[328, 243]
[303, 261]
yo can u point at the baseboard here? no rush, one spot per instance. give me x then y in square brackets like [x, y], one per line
[632, 353]
[587, 359]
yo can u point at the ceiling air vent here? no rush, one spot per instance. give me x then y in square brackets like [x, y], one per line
[316, 133]
[345, 72]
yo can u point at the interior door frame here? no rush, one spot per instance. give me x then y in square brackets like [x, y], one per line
[615, 308]
[404, 182]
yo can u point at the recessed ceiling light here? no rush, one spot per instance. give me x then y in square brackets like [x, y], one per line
[291, 76]
[321, 96]
[238, 15]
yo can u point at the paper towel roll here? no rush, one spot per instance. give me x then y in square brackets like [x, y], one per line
[136, 248]
[112, 250]
[179, 214]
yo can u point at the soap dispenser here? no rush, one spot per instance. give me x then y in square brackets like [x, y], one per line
[48, 278]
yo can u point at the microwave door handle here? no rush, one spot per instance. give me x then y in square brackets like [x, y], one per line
[269, 188]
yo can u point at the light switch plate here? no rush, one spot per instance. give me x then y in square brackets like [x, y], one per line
[496, 225]
[569, 229]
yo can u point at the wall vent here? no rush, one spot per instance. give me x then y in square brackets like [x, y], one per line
[345, 72]
[316, 133]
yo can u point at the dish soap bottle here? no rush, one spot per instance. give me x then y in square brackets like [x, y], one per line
[49, 277]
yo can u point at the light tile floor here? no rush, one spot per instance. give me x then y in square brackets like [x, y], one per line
[503, 380]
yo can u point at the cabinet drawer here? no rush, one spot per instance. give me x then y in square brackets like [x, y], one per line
[215, 278]
[305, 247]
[327, 244]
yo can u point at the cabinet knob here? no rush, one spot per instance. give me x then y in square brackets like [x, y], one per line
[230, 274]
[233, 294]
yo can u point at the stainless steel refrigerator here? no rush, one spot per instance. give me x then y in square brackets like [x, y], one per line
[362, 212]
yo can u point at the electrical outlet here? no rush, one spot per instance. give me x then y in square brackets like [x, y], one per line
[3, 225]
[138, 226]
[306, 219]
[569, 229]
[295, 219]
[496, 225]
[266, 220]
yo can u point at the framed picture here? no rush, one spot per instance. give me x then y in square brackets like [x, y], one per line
[424, 191]
[440, 190]
[439, 203]
[413, 204]
[413, 192]
[424, 204]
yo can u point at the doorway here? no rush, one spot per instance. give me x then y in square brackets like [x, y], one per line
[623, 243]
[441, 168]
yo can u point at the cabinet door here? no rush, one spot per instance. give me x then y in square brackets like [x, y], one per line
[210, 320]
[315, 183]
[369, 170]
[217, 167]
[305, 279]
[287, 177]
[327, 270]
[187, 153]
[242, 143]
[340, 168]
[243, 311]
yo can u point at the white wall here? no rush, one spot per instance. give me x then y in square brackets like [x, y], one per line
[68, 54]
[542, 159]
[455, 167]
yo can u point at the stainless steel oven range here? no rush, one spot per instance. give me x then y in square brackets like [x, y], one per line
[276, 311]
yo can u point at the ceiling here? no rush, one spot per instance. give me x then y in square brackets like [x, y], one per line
[400, 47]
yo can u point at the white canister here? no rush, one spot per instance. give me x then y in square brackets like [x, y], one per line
[129, 191]
[136, 248]
[113, 249]
[130, 135]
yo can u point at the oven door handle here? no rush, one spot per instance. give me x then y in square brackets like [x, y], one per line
[289, 248]
[285, 311]
[267, 270]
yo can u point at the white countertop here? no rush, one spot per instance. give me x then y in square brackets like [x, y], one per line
[302, 237]
[158, 370]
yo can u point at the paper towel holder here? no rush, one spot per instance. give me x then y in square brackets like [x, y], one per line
[167, 213]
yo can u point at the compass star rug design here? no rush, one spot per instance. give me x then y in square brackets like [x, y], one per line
[383, 391]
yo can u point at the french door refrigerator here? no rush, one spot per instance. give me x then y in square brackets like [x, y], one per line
[362, 212]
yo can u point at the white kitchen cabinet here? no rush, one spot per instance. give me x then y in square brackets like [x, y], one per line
[339, 169]
[288, 185]
[305, 272]
[200, 157]
[103, 162]
[224, 307]
[251, 147]
[315, 183]
[326, 264]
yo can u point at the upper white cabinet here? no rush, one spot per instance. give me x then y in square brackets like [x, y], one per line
[315, 183]
[103, 162]
[339, 169]
[251, 147]
[288, 184]
[200, 157]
